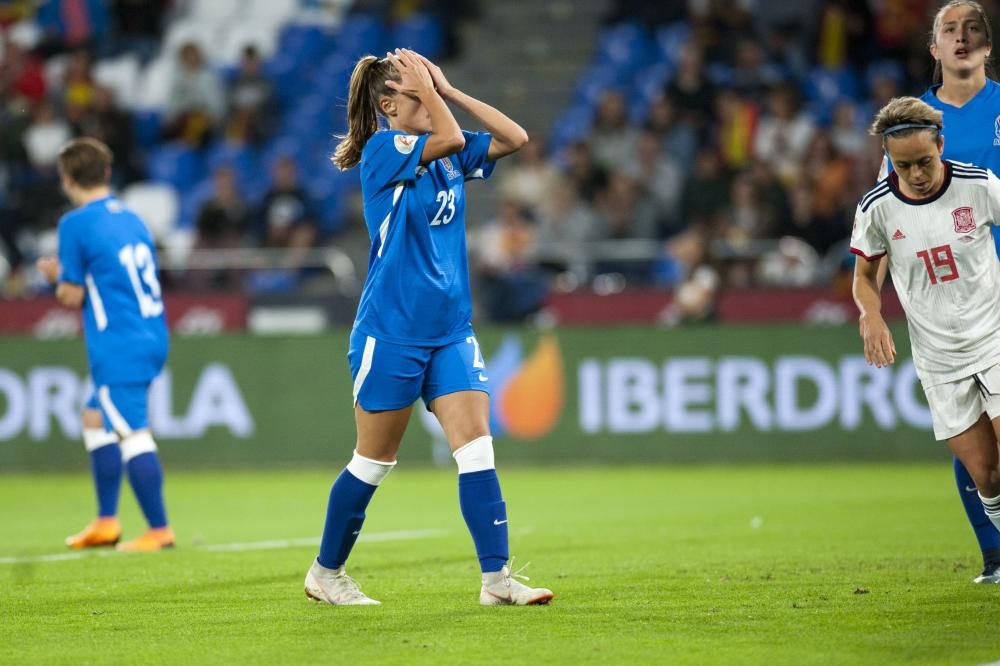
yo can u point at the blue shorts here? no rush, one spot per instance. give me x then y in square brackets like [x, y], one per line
[125, 407]
[389, 376]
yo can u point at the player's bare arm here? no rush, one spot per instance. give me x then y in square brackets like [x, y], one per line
[70, 295]
[416, 82]
[880, 350]
[508, 136]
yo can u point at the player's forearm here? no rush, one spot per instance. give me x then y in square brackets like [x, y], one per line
[866, 296]
[501, 127]
[442, 120]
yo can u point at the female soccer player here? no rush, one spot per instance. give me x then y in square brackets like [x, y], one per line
[963, 91]
[413, 336]
[931, 218]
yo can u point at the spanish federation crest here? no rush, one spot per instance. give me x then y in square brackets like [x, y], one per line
[964, 221]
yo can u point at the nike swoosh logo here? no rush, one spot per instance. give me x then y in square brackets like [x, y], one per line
[483, 377]
[355, 533]
[971, 489]
[498, 522]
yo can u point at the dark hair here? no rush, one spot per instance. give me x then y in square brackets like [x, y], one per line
[366, 88]
[86, 162]
[987, 28]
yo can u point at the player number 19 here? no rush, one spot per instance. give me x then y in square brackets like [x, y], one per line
[939, 257]
[138, 261]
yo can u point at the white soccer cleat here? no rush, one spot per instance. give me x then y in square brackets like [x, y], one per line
[990, 575]
[333, 586]
[501, 589]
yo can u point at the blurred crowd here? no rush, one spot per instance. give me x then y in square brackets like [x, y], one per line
[710, 143]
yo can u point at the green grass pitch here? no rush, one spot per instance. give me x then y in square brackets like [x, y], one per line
[822, 564]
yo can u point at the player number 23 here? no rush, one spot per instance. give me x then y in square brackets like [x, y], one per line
[447, 209]
[939, 257]
[138, 261]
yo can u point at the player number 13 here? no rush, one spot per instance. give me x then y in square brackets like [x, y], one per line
[138, 261]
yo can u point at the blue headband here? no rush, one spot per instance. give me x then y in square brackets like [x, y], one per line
[906, 126]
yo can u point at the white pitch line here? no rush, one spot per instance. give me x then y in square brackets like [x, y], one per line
[277, 544]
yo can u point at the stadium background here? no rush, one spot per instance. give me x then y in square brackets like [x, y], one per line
[692, 172]
[661, 278]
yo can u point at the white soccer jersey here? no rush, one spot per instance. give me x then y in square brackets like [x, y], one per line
[944, 267]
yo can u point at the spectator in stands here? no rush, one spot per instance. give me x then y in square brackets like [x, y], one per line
[660, 179]
[626, 212]
[752, 74]
[832, 200]
[843, 34]
[250, 101]
[21, 73]
[138, 26]
[106, 121]
[44, 137]
[222, 223]
[679, 139]
[846, 133]
[196, 104]
[691, 92]
[706, 190]
[531, 179]
[784, 133]
[567, 226]
[78, 82]
[612, 138]
[287, 216]
[513, 285]
[72, 24]
[587, 176]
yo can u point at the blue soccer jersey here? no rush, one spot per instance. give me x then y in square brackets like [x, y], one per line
[972, 132]
[417, 289]
[105, 248]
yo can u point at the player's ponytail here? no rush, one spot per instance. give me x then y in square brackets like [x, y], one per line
[366, 88]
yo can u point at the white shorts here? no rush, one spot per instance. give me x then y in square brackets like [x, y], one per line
[956, 406]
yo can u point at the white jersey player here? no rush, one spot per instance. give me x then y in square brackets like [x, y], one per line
[930, 219]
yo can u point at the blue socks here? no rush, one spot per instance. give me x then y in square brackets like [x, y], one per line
[106, 468]
[482, 504]
[485, 514]
[345, 512]
[146, 477]
[986, 533]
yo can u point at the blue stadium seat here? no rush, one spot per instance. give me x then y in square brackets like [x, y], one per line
[671, 40]
[826, 86]
[361, 34]
[421, 33]
[627, 46]
[305, 44]
[146, 127]
[175, 163]
[571, 126]
[647, 85]
[596, 79]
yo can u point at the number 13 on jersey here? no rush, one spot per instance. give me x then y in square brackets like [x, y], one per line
[138, 261]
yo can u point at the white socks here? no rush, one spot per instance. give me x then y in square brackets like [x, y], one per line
[475, 456]
[95, 438]
[991, 505]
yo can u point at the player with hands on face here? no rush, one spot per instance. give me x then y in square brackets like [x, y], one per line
[412, 337]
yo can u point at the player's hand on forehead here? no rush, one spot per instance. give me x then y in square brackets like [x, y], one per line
[413, 74]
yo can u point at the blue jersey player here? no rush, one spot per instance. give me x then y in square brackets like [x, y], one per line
[961, 41]
[413, 337]
[107, 266]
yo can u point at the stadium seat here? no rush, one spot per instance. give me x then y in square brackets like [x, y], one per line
[121, 75]
[571, 126]
[826, 86]
[154, 84]
[305, 44]
[360, 34]
[627, 46]
[671, 40]
[176, 164]
[146, 127]
[594, 81]
[156, 203]
[421, 33]
[647, 85]
[240, 36]
[184, 31]
[242, 159]
[270, 12]
[214, 12]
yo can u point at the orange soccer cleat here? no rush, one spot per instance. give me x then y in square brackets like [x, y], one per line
[101, 532]
[152, 540]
